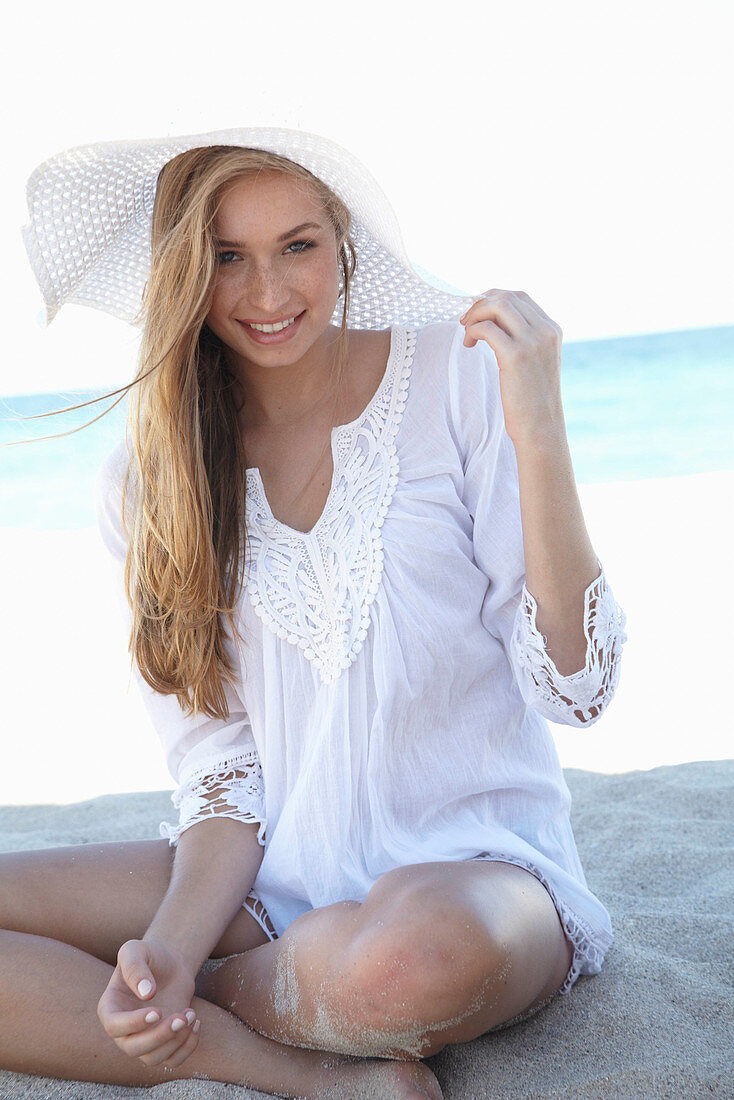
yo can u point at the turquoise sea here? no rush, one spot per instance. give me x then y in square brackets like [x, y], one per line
[657, 405]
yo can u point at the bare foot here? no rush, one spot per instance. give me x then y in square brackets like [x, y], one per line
[374, 1079]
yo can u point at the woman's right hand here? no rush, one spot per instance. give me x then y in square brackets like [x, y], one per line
[124, 1005]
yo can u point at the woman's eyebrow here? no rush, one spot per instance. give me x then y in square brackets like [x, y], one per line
[282, 237]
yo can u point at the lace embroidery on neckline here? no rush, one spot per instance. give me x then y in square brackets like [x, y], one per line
[314, 588]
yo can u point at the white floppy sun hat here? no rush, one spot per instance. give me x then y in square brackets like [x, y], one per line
[90, 208]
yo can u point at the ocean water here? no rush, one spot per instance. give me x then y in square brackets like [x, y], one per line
[658, 405]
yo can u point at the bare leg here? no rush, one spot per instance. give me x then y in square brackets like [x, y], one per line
[70, 907]
[308, 989]
[438, 953]
[48, 997]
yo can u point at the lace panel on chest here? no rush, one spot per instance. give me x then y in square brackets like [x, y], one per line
[314, 589]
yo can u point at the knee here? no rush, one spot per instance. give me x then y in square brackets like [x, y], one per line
[429, 955]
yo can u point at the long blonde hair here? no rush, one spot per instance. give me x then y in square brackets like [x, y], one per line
[185, 561]
[184, 489]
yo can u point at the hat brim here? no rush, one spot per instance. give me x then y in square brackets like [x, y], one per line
[90, 210]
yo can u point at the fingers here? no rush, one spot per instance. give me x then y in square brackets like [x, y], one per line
[172, 1054]
[118, 1025]
[173, 1051]
[507, 314]
[507, 308]
[185, 1049]
[160, 1041]
[133, 962]
[497, 337]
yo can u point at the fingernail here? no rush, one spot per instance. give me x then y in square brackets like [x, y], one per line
[152, 1018]
[177, 1025]
[144, 987]
[196, 1026]
[190, 1015]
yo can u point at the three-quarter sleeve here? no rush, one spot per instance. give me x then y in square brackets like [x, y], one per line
[213, 761]
[491, 494]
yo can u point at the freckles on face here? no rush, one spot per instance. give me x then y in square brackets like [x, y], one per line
[266, 271]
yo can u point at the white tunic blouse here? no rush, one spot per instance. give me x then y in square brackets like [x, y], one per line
[394, 687]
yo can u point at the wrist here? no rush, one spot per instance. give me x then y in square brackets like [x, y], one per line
[215, 865]
[543, 423]
[187, 953]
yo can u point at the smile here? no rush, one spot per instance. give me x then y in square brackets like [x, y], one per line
[270, 328]
[277, 332]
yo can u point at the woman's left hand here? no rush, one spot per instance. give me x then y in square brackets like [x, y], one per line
[141, 1020]
[527, 345]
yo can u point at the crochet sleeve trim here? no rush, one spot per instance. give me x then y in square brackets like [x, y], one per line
[232, 787]
[580, 698]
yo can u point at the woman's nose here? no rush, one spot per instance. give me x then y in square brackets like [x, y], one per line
[265, 287]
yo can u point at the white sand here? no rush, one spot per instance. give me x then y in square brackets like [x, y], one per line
[657, 847]
[654, 843]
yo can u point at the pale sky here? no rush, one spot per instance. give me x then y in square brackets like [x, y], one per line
[580, 152]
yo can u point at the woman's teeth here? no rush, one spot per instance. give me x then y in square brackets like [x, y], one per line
[273, 328]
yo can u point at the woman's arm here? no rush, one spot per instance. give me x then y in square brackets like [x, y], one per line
[146, 1007]
[216, 864]
[560, 562]
[548, 598]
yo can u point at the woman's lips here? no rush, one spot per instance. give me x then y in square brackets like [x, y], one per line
[281, 337]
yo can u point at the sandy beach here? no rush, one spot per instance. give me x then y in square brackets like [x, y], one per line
[657, 848]
[652, 787]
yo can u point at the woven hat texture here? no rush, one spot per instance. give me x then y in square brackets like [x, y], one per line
[90, 210]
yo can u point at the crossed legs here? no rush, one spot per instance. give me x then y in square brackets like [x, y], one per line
[437, 953]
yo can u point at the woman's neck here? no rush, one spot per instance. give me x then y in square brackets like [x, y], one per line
[279, 397]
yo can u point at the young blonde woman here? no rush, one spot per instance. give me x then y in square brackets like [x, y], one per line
[358, 581]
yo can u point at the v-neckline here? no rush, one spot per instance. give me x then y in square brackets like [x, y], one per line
[254, 471]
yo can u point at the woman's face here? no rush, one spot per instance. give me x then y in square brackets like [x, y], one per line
[268, 273]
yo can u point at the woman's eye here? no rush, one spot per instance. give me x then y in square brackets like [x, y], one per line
[303, 245]
[228, 258]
